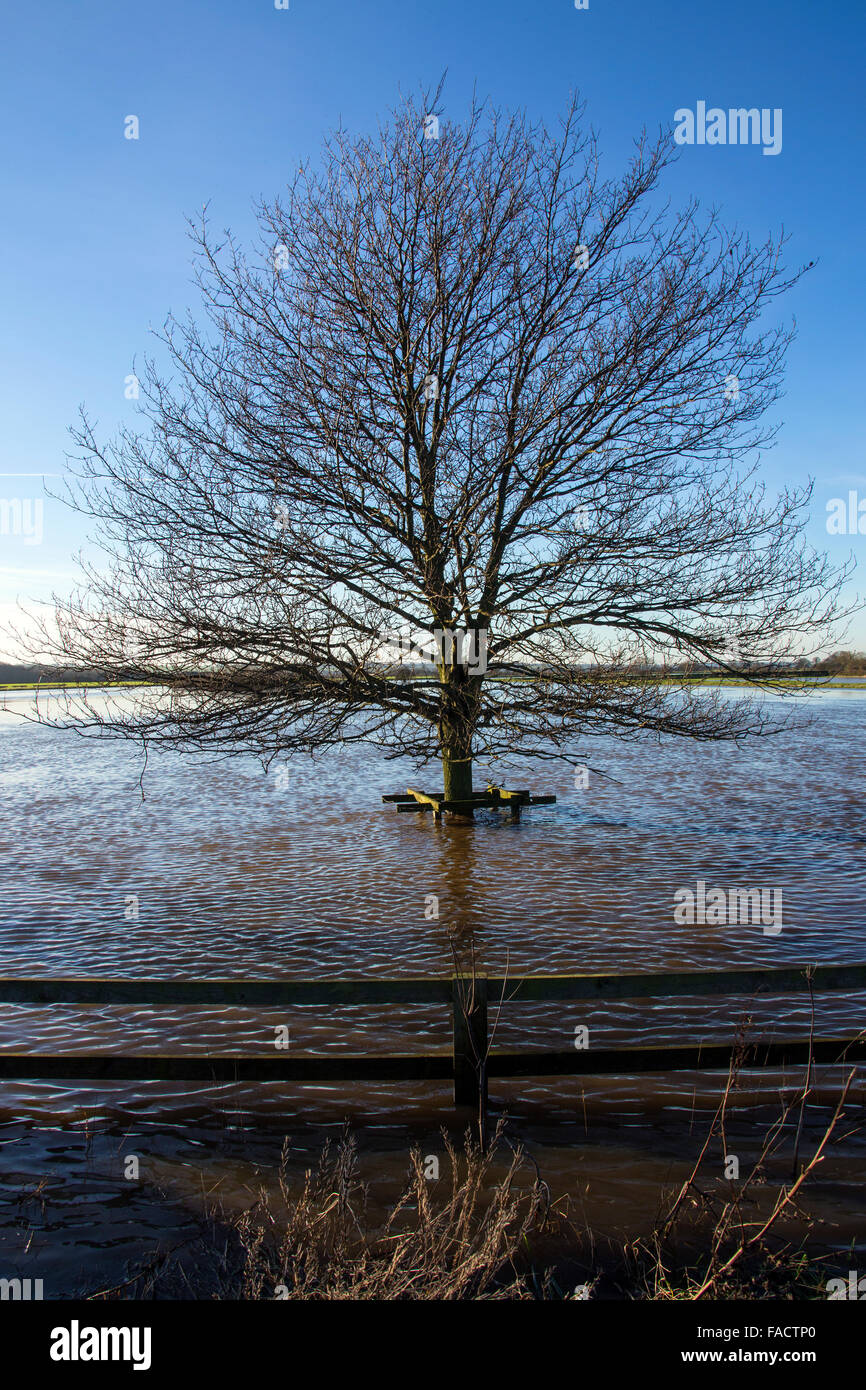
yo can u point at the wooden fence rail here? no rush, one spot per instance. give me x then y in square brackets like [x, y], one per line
[470, 1062]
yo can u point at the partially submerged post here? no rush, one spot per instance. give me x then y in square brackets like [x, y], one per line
[469, 1009]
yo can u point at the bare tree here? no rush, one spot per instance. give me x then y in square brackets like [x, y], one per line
[464, 384]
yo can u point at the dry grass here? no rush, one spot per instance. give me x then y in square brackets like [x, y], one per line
[478, 1232]
[464, 1236]
[722, 1239]
[457, 1246]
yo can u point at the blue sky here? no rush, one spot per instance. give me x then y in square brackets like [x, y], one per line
[231, 94]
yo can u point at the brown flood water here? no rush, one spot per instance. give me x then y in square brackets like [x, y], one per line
[242, 875]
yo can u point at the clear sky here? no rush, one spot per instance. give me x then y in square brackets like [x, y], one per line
[231, 94]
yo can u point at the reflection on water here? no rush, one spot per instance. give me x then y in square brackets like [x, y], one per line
[237, 875]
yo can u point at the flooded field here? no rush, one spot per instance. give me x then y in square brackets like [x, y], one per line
[223, 872]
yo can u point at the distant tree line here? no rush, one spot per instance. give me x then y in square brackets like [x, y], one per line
[12, 674]
[841, 663]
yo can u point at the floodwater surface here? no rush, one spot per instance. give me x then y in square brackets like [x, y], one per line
[219, 871]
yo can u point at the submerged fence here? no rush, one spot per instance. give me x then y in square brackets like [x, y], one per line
[470, 1063]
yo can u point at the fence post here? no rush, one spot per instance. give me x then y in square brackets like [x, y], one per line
[469, 1011]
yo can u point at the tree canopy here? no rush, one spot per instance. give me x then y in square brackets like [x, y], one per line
[465, 383]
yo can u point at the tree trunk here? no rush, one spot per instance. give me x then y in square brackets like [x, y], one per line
[457, 775]
[459, 706]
